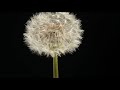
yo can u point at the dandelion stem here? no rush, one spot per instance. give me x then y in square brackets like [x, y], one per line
[55, 66]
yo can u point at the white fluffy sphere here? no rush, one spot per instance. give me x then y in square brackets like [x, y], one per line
[53, 32]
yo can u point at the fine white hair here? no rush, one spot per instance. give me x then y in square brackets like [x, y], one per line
[53, 32]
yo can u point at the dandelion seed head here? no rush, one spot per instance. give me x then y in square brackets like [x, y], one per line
[50, 32]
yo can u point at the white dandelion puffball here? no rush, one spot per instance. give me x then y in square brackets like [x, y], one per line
[53, 32]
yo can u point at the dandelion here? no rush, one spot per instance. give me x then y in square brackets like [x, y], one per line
[53, 34]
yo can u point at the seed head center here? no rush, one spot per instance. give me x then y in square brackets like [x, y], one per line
[55, 26]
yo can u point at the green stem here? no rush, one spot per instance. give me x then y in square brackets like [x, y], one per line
[55, 66]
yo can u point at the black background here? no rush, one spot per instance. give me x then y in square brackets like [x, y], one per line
[96, 58]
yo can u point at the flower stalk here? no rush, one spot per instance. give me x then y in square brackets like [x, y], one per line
[55, 66]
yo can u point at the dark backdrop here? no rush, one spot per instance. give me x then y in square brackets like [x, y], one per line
[96, 58]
